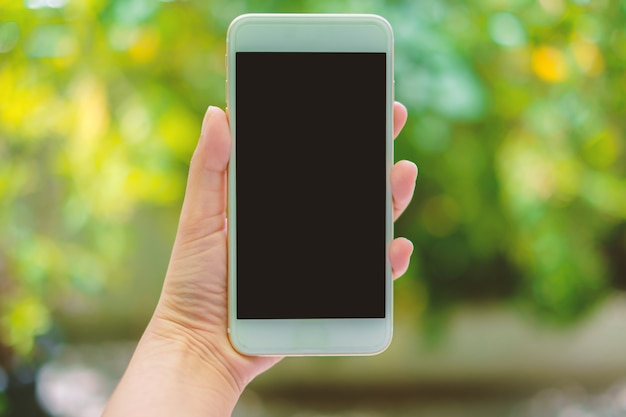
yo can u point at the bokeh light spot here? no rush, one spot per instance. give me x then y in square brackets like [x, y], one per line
[458, 95]
[40, 4]
[52, 41]
[588, 57]
[9, 36]
[28, 317]
[505, 29]
[553, 7]
[145, 47]
[72, 392]
[548, 63]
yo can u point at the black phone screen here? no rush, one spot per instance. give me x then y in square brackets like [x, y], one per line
[310, 185]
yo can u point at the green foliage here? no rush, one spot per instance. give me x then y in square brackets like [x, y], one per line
[516, 122]
[518, 128]
[3, 404]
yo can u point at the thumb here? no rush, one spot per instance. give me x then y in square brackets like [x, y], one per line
[203, 211]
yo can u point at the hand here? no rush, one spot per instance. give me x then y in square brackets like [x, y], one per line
[184, 363]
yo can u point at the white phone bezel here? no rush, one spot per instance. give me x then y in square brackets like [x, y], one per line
[308, 33]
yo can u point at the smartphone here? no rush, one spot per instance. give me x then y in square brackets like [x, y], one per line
[310, 220]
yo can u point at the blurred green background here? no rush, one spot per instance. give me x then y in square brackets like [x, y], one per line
[517, 121]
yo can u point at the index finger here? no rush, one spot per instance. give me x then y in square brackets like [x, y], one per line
[400, 115]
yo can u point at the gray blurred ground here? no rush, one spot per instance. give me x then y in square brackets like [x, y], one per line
[491, 362]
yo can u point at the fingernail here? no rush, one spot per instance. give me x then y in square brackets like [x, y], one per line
[207, 117]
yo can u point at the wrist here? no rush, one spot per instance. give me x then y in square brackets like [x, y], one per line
[173, 373]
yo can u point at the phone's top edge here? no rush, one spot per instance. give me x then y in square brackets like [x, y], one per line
[312, 18]
[309, 16]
